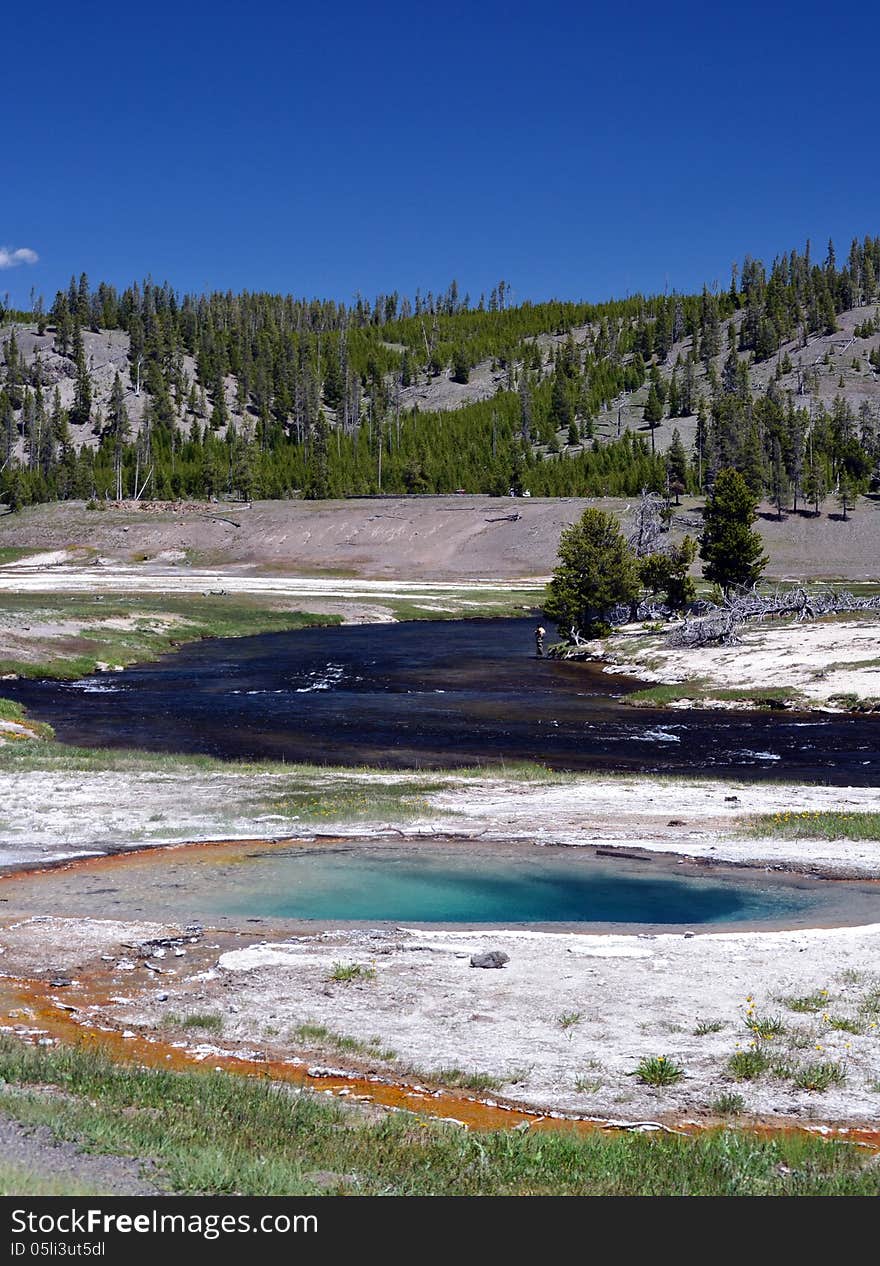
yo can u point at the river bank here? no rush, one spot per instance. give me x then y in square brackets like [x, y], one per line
[827, 665]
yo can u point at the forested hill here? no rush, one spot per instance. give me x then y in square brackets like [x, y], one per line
[147, 393]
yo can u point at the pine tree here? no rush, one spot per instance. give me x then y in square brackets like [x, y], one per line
[8, 428]
[318, 486]
[333, 384]
[815, 490]
[777, 479]
[561, 409]
[845, 494]
[677, 466]
[119, 430]
[732, 553]
[461, 367]
[753, 463]
[81, 410]
[653, 411]
[596, 570]
[525, 409]
[667, 574]
[406, 369]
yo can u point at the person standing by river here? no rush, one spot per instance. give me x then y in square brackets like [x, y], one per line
[540, 634]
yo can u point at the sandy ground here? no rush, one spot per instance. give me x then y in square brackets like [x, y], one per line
[822, 661]
[454, 538]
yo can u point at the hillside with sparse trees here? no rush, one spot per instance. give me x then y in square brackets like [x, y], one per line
[149, 394]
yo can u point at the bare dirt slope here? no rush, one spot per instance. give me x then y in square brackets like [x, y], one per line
[409, 538]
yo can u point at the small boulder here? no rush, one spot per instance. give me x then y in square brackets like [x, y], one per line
[491, 958]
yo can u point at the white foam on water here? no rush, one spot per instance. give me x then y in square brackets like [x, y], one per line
[322, 680]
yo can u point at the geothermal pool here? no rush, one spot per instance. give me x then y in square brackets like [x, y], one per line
[429, 882]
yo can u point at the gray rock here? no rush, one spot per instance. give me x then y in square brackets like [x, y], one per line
[491, 958]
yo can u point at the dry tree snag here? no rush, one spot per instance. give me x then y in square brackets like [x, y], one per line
[721, 624]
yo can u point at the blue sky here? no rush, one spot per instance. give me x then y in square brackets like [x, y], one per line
[577, 150]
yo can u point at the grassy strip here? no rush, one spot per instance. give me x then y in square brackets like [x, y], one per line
[12, 711]
[159, 624]
[467, 605]
[294, 794]
[61, 757]
[13, 553]
[213, 1133]
[701, 691]
[815, 824]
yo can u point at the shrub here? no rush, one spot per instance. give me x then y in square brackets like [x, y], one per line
[747, 1065]
[659, 1070]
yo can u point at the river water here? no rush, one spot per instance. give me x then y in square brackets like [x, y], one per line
[432, 694]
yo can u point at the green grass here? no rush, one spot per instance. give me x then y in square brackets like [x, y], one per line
[345, 973]
[584, 1084]
[184, 618]
[658, 1070]
[12, 711]
[807, 1003]
[55, 756]
[846, 1024]
[207, 1021]
[749, 1065]
[22, 1180]
[214, 1133]
[816, 825]
[818, 1075]
[569, 1019]
[704, 1027]
[14, 553]
[700, 690]
[765, 1026]
[468, 604]
[458, 1078]
[729, 1104]
[319, 1035]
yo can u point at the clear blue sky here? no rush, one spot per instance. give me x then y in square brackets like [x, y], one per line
[579, 150]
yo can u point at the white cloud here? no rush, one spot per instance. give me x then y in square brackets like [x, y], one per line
[12, 259]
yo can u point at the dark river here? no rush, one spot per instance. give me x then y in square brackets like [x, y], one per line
[445, 693]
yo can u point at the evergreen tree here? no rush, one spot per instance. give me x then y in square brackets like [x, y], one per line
[677, 469]
[732, 553]
[778, 482]
[845, 494]
[561, 409]
[753, 462]
[119, 430]
[8, 428]
[667, 574]
[815, 490]
[653, 412]
[81, 411]
[406, 376]
[596, 570]
[318, 486]
[461, 368]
